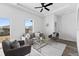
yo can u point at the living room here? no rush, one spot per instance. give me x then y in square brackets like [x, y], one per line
[61, 19]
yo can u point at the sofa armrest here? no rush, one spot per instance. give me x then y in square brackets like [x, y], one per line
[23, 50]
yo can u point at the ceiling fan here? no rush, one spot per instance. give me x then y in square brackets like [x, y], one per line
[44, 6]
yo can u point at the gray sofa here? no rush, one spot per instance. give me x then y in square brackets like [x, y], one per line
[21, 51]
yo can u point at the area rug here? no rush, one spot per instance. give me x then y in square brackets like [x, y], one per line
[52, 49]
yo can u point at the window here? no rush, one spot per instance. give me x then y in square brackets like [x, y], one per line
[4, 29]
[28, 26]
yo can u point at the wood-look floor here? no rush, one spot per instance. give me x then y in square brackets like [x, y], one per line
[71, 48]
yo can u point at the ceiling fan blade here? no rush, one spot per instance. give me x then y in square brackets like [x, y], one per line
[47, 9]
[48, 4]
[38, 7]
[41, 10]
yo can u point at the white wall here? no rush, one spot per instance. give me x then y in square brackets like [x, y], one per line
[17, 18]
[67, 26]
[78, 28]
[50, 28]
[58, 24]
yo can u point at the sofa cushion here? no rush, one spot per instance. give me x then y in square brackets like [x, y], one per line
[6, 44]
[15, 44]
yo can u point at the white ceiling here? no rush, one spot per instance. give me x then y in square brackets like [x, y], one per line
[56, 8]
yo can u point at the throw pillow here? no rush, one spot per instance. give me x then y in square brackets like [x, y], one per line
[15, 44]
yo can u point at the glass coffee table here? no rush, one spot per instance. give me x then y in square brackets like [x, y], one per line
[40, 44]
